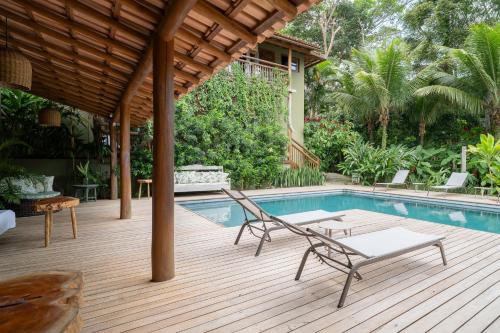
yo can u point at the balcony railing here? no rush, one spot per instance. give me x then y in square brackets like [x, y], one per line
[266, 69]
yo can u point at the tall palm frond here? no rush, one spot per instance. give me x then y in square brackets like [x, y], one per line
[453, 95]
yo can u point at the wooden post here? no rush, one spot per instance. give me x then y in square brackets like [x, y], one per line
[125, 178]
[162, 248]
[113, 162]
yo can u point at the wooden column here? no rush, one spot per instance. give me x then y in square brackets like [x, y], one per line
[113, 183]
[125, 178]
[162, 248]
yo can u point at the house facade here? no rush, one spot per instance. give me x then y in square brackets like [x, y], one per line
[290, 57]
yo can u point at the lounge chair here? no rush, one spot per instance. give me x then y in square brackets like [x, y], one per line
[260, 224]
[456, 181]
[398, 180]
[370, 247]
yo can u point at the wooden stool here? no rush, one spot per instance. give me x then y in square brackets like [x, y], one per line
[55, 204]
[42, 302]
[144, 181]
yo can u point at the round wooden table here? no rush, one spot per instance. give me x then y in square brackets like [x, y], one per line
[50, 205]
[331, 225]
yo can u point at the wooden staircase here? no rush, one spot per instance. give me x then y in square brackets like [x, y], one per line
[299, 156]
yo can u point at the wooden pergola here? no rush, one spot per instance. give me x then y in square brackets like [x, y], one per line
[128, 60]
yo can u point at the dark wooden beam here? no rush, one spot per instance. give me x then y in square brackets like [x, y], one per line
[162, 248]
[125, 177]
[211, 12]
[284, 6]
[175, 14]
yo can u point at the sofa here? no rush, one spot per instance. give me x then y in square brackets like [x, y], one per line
[31, 189]
[200, 178]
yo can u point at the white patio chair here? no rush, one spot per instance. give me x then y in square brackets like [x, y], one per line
[260, 224]
[398, 180]
[456, 181]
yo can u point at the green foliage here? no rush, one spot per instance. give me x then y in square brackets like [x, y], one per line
[86, 173]
[487, 153]
[235, 121]
[375, 164]
[141, 163]
[19, 120]
[327, 139]
[299, 177]
[475, 84]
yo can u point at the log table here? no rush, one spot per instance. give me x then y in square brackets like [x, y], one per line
[48, 206]
[41, 302]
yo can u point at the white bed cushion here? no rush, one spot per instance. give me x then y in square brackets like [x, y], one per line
[308, 217]
[7, 220]
[379, 243]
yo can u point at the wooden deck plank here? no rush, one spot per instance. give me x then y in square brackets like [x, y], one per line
[225, 288]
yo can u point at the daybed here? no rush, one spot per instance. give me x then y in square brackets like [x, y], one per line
[199, 178]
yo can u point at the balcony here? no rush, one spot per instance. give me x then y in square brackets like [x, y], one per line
[268, 70]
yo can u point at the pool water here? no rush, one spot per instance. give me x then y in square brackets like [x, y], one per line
[230, 214]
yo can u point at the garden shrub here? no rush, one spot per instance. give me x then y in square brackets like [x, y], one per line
[375, 164]
[327, 139]
[299, 177]
[235, 121]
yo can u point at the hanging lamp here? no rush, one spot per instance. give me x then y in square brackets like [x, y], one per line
[15, 68]
[49, 117]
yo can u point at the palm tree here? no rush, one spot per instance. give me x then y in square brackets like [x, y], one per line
[381, 81]
[318, 86]
[475, 82]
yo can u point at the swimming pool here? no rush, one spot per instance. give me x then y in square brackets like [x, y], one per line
[472, 216]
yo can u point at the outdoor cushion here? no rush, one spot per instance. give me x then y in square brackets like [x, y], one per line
[388, 241]
[7, 220]
[313, 215]
[39, 195]
[205, 177]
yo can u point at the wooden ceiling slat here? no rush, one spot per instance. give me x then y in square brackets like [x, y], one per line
[58, 36]
[139, 37]
[96, 54]
[206, 9]
[80, 28]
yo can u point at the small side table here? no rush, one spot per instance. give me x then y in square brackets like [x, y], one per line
[144, 181]
[86, 188]
[48, 206]
[483, 190]
[417, 185]
[331, 225]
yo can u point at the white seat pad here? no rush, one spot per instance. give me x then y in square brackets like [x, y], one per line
[379, 243]
[308, 217]
[7, 220]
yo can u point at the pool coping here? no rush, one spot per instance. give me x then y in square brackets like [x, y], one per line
[491, 208]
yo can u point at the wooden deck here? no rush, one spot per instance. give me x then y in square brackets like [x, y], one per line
[221, 287]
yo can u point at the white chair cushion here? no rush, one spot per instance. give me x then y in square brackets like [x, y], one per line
[7, 220]
[388, 241]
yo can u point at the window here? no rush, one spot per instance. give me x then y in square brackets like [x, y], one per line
[267, 55]
[295, 62]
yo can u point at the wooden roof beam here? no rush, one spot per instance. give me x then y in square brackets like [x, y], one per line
[210, 11]
[113, 23]
[188, 36]
[49, 32]
[78, 27]
[172, 20]
[284, 6]
[205, 69]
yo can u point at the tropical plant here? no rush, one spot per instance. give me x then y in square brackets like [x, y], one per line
[235, 121]
[299, 177]
[376, 164]
[475, 84]
[380, 83]
[327, 139]
[86, 173]
[488, 153]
